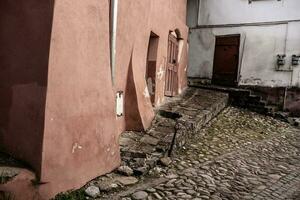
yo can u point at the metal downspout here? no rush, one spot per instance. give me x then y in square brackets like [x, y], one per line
[292, 72]
[114, 15]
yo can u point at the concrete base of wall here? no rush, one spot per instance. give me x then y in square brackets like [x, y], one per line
[292, 101]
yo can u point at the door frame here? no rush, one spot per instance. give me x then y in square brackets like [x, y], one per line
[237, 70]
[172, 65]
[151, 61]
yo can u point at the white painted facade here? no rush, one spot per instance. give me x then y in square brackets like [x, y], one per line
[266, 27]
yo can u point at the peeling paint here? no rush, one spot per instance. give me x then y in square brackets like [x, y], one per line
[75, 147]
[174, 33]
[146, 93]
[150, 86]
[260, 82]
[158, 101]
[160, 73]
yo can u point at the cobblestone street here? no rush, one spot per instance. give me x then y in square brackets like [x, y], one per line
[239, 155]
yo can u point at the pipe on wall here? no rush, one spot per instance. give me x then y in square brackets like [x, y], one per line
[292, 71]
[285, 52]
[114, 22]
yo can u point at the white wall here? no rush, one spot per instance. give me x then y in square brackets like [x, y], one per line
[192, 14]
[259, 44]
[216, 12]
[258, 49]
[293, 47]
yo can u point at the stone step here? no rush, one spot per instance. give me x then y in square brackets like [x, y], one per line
[241, 97]
[254, 98]
[271, 109]
[259, 104]
[174, 122]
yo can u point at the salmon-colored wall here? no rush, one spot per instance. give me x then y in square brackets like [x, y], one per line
[25, 29]
[77, 133]
[136, 20]
[80, 138]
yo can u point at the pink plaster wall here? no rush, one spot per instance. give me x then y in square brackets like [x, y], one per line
[80, 138]
[135, 22]
[81, 130]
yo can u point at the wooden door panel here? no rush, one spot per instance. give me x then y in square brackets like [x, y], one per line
[171, 69]
[226, 61]
[228, 40]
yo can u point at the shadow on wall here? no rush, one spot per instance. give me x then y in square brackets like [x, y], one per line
[25, 33]
[132, 116]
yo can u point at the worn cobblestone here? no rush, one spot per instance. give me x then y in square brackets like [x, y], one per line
[174, 123]
[239, 155]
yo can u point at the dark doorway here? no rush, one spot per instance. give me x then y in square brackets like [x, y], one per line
[226, 60]
[151, 65]
[172, 67]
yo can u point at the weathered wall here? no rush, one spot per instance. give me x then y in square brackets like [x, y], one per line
[80, 117]
[25, 29]
[258, 50]
[192, 14]
[80, 138]
[135, 22]
[293, 47]
[64, 119]
[292, 102]
[217, 12]
[259, 45]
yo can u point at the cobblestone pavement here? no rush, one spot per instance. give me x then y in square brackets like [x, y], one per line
[239, 155]
[187, 114]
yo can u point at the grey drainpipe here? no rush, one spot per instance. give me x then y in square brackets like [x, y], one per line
[292, 72]
[114, 15]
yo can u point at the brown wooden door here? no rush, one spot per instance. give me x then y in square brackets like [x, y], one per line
[172, 67]
[226, 60]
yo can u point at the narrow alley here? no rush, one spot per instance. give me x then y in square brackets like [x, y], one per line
[149, 100]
